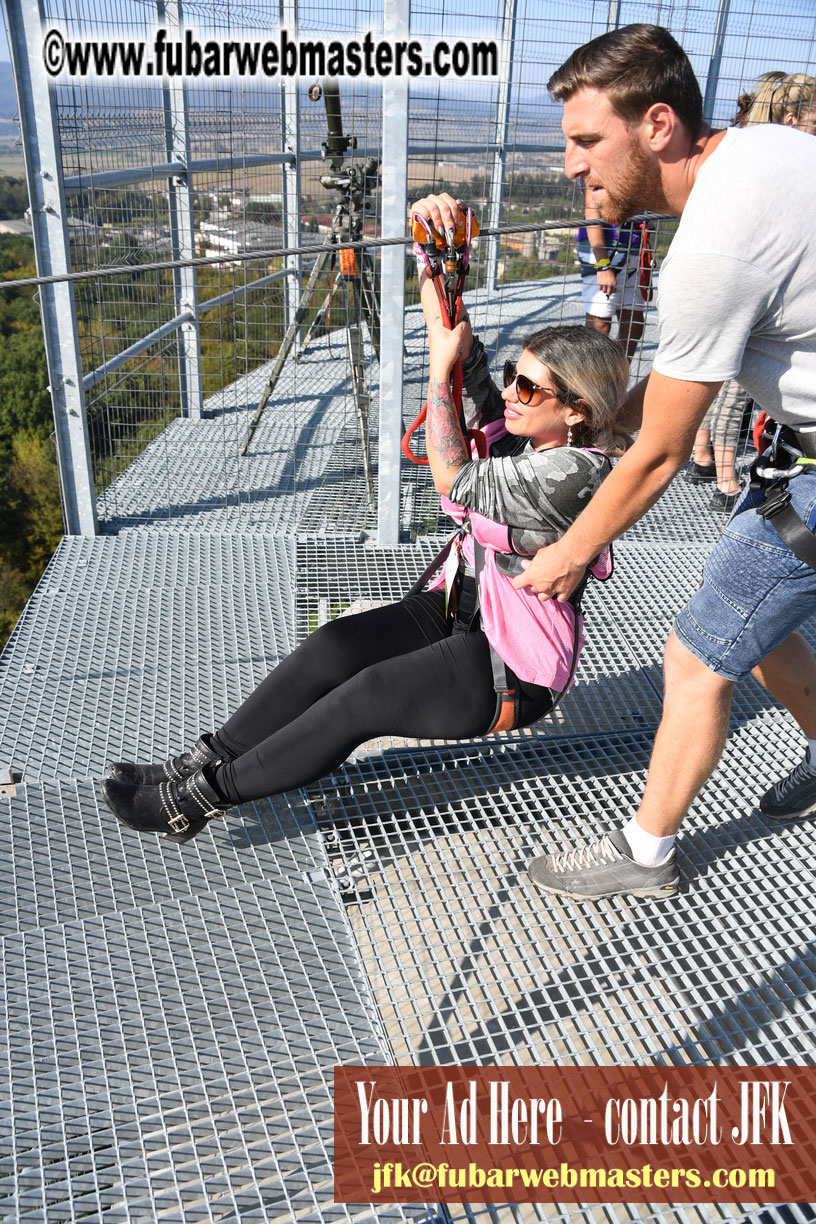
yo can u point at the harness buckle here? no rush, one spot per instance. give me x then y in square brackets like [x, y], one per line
[777, 497]
[781, 450]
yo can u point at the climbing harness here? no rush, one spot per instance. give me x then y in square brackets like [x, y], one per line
[505, 682]
[509, 564]
[786, 453]
[446, 263]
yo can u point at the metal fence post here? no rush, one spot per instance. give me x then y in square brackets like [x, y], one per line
[43, 165]
[396, 24]
[290, 172]
[501, 133]
[182, 224]
[713, 77]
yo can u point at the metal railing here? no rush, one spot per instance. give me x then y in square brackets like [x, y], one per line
[134, 396]
[129, 186]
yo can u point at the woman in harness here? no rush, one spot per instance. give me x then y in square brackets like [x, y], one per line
[424, 666]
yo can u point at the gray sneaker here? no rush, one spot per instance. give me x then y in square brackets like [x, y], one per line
[604, 868]
[792, 797]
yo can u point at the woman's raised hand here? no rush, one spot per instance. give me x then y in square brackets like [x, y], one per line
[446, 347]
[441, 210]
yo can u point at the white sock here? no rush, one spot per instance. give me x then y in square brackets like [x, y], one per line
[812, 747]
[648, 850]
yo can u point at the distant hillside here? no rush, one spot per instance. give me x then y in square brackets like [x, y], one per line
[8, 98]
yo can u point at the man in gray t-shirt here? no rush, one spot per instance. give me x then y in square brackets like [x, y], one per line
[744, 237]
[737, 299]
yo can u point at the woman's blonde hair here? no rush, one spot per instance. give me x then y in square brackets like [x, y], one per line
[776, 95]
[590, 374]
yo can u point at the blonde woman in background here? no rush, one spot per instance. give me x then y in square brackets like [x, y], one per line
[789, 99]
[780, 98]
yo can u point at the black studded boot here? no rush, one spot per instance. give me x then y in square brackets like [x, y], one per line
[176, 769]
[178, 810]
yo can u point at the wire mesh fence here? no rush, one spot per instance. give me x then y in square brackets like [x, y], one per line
[173, 171]
[270, 967]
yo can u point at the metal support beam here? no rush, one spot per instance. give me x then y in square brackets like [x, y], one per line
[43, 164]
[290, 171]
[713, 77]
[182, 227]
[396, 25]
[97, 179]
[502, 131]
[613, 15]
[100, 179]
[136, 350]
[231, 295]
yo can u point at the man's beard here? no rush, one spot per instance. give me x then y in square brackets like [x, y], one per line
[637, 187]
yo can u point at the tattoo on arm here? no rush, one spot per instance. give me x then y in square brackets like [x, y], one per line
[443, 434]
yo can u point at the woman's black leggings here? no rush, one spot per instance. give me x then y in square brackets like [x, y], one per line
[404, 669]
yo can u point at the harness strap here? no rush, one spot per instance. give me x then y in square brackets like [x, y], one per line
[779, 512]
[505, 682]
[450, 302]
[576, 604]
[439, 560]
[800, 448]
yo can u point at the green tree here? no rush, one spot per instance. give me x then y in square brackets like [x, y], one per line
[34, 502]
[24, 400]
[32, 522]
[13, 196]
[14, 591]
[30, 511]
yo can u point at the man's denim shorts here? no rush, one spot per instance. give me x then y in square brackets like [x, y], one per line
[755, 592]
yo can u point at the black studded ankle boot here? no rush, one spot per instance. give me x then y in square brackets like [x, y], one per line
[178, 810]
[175, 770]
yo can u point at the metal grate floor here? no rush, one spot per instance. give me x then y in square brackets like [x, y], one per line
[474, 964]
[173, 1014]
[161, 1071]
[130, 647]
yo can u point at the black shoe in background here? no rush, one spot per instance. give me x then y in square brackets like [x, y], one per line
[696, 473]
[724, 503]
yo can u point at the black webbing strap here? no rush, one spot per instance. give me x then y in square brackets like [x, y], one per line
[438, 561]
[505, 681]
[779, 512]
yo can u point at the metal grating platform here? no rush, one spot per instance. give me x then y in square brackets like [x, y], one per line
[65, 857]
[160, 1071]
[474, 964]
[174, 1013]
[129, 648]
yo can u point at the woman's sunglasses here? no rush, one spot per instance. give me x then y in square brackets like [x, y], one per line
[525, 387]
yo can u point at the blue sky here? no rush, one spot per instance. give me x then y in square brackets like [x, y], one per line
[759, 36]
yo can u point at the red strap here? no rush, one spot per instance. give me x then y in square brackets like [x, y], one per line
[405, 444]
[506, 712]
[760, 443]
[646, 264]
[478, 442]
[457, 382]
